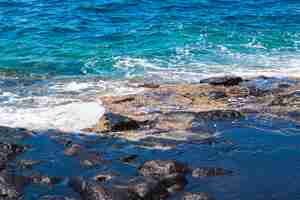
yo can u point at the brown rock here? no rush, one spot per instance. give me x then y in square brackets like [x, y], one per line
[111, 122]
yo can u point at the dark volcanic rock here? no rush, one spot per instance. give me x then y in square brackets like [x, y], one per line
[171, 174]
[147, 188]
[225, 80]
[104, 177]
[206, 171]
[9, 151]
[162, 168]
[196, 196]
[11, 185]
[219, 115]
[93, 191]
[128, 158]
[111, 122]
[8, 191]
[44, 180]
[173, 182]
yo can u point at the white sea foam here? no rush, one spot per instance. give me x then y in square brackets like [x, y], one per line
[70, 117]
[65, 104]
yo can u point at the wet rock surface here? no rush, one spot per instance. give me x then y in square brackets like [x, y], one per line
[160, 110]
[115, 122]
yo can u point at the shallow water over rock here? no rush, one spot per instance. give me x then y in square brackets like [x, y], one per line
[261, 155]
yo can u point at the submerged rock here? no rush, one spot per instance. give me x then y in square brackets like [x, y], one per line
[128, 158]
[9, 151]
[91, 159]
[161, 168]
[188, 120]
[170, 173]
[73, 150]
[11, 185]
[53, 197]
[92, 191]
[44, 179]
[220, 115]
[225, 80]
[196, 196]
[8, 192]
[147, 188]
[11, 135]
[27, 164]
[206, 171]
[265, 85]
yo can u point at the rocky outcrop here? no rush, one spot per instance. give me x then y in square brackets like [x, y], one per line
[112, 122]
[182, 111]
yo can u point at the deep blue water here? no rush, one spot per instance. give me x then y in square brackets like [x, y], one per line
[125, 38]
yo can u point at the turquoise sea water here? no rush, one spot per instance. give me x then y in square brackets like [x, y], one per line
[128, 38]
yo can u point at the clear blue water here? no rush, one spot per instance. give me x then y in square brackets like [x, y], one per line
[121, 39]
[262, 153]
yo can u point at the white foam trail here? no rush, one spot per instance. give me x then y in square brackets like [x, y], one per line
[184, 67]
[70, 117]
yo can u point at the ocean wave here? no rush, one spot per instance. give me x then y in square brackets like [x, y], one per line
[185, 66]
[66, 104]
[70, 117]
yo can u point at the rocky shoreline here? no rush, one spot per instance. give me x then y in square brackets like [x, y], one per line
[160, 117]
[182, 111]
